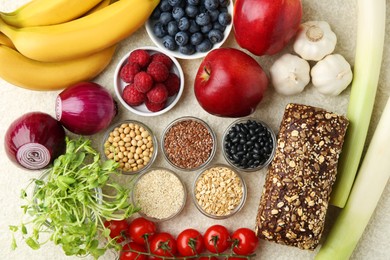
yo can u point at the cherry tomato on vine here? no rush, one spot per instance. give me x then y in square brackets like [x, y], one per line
[190, 242]
[118, 229]
[208, 258]
[244, 241]
[163, 244]
[126, 254]
[217, 239]
[139, 228]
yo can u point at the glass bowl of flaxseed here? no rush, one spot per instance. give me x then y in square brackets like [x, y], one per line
[132, 144]
[219, 191]
[188, 143]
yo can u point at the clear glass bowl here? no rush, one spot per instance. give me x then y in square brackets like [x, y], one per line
[130, 146]
[162, 191]
[193, 158]
[247, 151]
[211, 203]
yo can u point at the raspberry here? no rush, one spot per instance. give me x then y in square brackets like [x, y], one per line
[143, 82]
[172, 84]
[128, 72]
[132, 96]
[141, 57]
[161, 57]
[158, 71]
[158, 94]
[154, 107]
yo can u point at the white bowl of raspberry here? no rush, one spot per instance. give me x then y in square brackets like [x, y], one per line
[148, 81]
[189, 29]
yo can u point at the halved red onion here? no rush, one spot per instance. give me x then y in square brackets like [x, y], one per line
[85, 108]
[34, 140]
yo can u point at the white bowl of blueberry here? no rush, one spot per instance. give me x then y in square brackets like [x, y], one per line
[189, 29]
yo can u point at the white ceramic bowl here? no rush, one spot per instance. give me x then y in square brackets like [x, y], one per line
[158, 41]
[142, 110]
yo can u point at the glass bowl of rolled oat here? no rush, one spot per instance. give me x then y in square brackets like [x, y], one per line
[219, 191]
[188, 143]
[160, 194]
[132, 144]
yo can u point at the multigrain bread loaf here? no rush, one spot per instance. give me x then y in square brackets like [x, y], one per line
[299, 180]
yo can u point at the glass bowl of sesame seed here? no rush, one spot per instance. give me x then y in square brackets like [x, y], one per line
[188, 143]
[132, 144]
[219, 191]
[160, 194]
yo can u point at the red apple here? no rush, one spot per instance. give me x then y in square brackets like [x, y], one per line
[266, 26]
[229, 83]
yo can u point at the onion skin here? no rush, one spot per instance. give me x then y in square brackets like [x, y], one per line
[34, 140]
[85, 108]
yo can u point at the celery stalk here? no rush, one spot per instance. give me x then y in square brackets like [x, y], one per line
[368, 58]
[371, 180]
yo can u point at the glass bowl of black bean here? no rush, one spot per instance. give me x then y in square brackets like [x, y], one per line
[248, 144]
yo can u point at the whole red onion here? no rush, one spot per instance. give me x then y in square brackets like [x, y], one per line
[34, 140]
[85, 108]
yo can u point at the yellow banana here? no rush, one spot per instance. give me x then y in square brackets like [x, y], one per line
[47, 12]
[82, 36]
[4, 40]
[35, 75]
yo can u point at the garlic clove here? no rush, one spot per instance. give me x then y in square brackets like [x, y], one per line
[332, 75]
[314, 40]
[290, 74]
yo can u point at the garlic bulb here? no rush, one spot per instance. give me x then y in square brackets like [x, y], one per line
[331, 75]
[314, 40]
[290, 74]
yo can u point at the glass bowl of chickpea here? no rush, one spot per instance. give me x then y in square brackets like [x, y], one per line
[132, 144]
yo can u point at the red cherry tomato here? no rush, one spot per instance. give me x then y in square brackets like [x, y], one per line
[209, 258]
[139, 228]
[217, 239]
[126, 254]
[244, 241]
[118, 229]
[190, 242]
[163, 244]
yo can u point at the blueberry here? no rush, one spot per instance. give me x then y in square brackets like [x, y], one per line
[224, 18]
[174, 2]
[203, 19]
[172, 28]
[214, 15]
[215, 36]
[218, 26]
[159, 30]
[193, 2]
[183, 24]
[206, 28]
[211, 4]
[194, 27]
[187, 49]
[169, 43]
[177, 13]
[224, 3]
[191, 10]
[204, 46]
[166, 17]
[196, 38]
[165, 6]
[156, 14]
[181, 38]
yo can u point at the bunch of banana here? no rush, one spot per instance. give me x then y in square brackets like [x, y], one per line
[51, 57]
